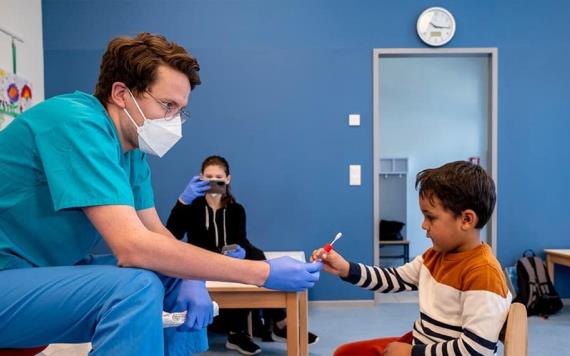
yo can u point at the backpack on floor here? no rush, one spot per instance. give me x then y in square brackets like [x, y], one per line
[536, 291]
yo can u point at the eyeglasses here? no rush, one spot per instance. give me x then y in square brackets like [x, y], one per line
[171, 109]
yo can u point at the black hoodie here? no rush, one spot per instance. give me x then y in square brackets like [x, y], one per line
[196, 221]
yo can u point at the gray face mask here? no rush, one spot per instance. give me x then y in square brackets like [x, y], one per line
[157, 136]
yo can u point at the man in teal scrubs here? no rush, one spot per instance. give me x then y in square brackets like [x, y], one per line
[73, 169]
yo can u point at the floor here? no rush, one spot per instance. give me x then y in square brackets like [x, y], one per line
[339, 323]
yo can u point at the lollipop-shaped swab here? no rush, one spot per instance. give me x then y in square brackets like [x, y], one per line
[329, 247]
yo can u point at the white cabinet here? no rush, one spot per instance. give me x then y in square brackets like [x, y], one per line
[393, 166]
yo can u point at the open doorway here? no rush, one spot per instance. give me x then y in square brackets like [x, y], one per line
[431, 106]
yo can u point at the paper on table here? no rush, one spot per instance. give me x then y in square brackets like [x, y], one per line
[298, 255]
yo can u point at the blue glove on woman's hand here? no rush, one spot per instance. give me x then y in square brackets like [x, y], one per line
[196, 188]
[194, 298]
[291, 275]
[239, 252]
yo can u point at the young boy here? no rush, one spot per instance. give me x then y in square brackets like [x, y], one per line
[463, 297]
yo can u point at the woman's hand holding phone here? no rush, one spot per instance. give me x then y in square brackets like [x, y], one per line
[234, 250]
[195, 188]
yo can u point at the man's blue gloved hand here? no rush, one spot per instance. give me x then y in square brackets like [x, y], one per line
[239, 252]
[196, 188]
[193, 297]
[291, 275]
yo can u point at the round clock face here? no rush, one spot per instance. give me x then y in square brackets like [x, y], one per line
[436, 26]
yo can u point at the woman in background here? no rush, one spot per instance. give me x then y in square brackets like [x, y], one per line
[211, 218]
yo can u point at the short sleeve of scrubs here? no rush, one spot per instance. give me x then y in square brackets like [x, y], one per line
[81, 158]
[141, 181]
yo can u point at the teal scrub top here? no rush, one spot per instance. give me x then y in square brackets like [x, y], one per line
[56, 158]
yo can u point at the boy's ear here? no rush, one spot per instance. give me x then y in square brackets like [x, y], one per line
[469, 219]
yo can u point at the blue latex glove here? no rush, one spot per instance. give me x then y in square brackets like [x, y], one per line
[239, 252]
[291, 275]
[194, 298]
[196, 188]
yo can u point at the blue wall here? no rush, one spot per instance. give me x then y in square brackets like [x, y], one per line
[280, 78]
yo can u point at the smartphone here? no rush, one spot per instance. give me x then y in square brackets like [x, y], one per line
[229, 248]
[217, 187]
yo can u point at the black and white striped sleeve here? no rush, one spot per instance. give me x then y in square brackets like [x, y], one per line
[385, 280]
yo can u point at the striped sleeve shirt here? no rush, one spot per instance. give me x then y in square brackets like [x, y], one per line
[463, 299]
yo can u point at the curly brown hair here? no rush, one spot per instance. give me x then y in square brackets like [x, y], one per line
[135, 61]
[459, 186]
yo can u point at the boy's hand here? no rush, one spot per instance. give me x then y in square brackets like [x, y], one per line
[333, 263]
[398, 349]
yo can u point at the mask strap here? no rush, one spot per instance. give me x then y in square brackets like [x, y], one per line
[137, 104]
[131, 118]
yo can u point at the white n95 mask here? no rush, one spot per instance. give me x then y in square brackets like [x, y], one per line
[157, 136]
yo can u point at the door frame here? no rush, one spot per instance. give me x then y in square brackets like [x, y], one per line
[492, 138]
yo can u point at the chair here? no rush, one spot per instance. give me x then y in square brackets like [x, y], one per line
[514, 334]
[22, 352]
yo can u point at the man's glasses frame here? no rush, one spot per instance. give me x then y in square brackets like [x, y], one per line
[170, 109]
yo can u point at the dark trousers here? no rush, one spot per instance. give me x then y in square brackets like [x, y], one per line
[235, 320]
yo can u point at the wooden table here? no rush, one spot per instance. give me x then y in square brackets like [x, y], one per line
[244, 296]
[561, 257]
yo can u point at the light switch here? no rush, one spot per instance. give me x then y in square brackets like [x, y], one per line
[354, 120]
[354, 174]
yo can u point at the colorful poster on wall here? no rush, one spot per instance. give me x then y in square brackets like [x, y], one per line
[15, 97]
